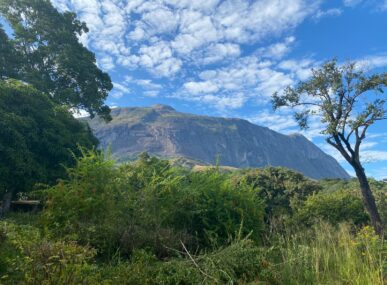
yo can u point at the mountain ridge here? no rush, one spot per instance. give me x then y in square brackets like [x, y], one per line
[165, 132]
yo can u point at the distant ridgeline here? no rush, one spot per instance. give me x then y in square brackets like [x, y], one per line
[192, 139]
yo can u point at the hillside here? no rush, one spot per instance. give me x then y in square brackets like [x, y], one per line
[162, 131]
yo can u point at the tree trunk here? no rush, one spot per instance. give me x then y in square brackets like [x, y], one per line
[5, 207]
[368, 199]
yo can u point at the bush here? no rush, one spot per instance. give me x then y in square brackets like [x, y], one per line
[282, 190]
[213, 210]
[90, 207]
[28, 258]
[149, 205]
[333, 207]
[239, 263]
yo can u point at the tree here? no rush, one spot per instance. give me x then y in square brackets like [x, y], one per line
[9, 60]
[51, 57]
[37, 137]
[334, 94]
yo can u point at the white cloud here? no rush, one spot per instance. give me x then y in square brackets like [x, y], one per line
[278, 50]
[283, 122]
[159, 21]
[79, 113]
[217, 52]
[151, 93]
[352, 3]
[370, 156]
[201, 87]
[106, 63]
[334, 12]
[301, 68]
[371, 62]
[121, 87]
[233, 50]
[165, 37]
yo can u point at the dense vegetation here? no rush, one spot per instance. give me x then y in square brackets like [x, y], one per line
[44, 73]
[150, 223]
[36, 138]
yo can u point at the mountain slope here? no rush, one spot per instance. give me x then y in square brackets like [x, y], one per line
[162, 131]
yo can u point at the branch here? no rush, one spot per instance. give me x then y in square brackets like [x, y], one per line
[194, 262]
[337, 145]
[347, 144]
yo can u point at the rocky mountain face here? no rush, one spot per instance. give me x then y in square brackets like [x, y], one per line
[162, 131]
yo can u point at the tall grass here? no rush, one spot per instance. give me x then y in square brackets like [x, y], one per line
[331, 255]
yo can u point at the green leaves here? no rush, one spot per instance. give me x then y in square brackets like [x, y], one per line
[50, 56]
[36, 137]
[332, 94]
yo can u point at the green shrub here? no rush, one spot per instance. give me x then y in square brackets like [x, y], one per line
[213, 210]
[282, 190]
[89, 207]
[28, 258]
[239, 263]
[148, 205]
[333, 207]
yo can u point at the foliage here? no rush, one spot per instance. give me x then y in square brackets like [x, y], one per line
[334, 95]
[214, 210]
[8, 58]
[90, 207]
[51, 58]
[239, 263]
[28, 258]
[334, 207]
[281, 189]
[379, 189]
[147, 204]
[36, 138]
[149, 223]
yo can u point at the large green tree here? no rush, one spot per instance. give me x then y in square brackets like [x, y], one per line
[9, 60]
[51, 58]
[348, 101]
[37, 138]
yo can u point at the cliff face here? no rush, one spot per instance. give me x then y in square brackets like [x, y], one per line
[162, 131]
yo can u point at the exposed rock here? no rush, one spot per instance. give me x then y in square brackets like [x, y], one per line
[162, 131]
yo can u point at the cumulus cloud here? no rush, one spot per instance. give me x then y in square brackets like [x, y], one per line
[224, 53]
[283, 122]
[201, 87]
[371, 62]
[166, 36]
[278, 50]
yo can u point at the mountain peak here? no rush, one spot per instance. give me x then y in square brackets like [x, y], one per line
[162, 107]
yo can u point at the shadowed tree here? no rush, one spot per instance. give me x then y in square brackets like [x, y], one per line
[37, 139]
[9, 59]
[51, 57]
[348, 101]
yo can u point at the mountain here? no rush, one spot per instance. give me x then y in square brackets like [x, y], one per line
[162, 131]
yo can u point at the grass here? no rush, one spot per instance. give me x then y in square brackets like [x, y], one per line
[329, 255]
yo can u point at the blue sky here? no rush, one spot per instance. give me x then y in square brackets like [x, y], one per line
[226, 58]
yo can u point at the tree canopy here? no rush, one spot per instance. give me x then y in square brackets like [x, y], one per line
[36, 137]
[50, 56]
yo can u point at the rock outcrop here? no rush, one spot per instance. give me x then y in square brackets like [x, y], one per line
[162, 131]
